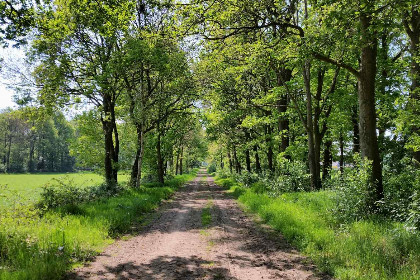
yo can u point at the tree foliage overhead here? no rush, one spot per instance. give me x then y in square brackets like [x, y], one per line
[278, 89]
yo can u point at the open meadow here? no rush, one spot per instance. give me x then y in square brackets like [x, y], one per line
[26, 188]
[46, 242]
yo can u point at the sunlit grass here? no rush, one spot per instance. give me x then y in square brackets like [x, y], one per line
[206, 214]
[26, 188]
[371, 249]
[34, 246]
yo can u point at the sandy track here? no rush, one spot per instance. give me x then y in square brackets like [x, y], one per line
[177, 246]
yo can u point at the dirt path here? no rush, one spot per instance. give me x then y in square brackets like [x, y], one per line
[200, 234]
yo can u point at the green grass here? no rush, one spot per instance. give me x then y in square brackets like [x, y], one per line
[26, 188]
[371, 249]
[206, 214]
[34, 246]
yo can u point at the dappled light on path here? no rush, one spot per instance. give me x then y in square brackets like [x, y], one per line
[178, 244]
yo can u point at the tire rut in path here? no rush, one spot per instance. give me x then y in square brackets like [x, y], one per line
[177, 246]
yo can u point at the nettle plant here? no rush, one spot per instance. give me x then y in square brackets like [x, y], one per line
[353, 192]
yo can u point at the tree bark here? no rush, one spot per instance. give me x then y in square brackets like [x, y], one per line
[140, 140]
[315, 178]
[270, 153]
[116, 144]
[109, 176]
[367, 114]
[257, 160]
[160, 167]
[111, 152]
[180, 160]
[177, 162]
[134, 169]
[237, 163]
[412, 26]
[230, 161]
[356, 143]
[283, 75]
[341, 140]
[247, 154]
[248, 160]
[327, 164]
[9, 147]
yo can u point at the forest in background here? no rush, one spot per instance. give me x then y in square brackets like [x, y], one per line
[313, 104]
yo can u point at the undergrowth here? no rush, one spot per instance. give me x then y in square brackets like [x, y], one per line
[374, 248]
[37, 244]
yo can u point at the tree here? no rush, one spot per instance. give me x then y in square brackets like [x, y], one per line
[16, 19]
[77, 46]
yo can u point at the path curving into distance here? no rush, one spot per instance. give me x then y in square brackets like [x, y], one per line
[200, 234]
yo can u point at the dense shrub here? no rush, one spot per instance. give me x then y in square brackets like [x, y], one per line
[223, 174]
[353, 192]
[259, 187]
[212, 168]
[225, 182]
[400, 191]
[413, 217]
[247, 178]
[64, 192]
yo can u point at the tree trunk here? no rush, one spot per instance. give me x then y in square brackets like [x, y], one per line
[230, 161]
[356, 143]
[283, 76]
[31, 163]
[177, 162]
[140, 136]
[247, 154]
[9, 147]
[237, 163]
[32, 139]
[412, 27]
[248, 160]
[310, 129]
[160, 167]
[270, 153]
[109, 176]
[116, 146]
[111, 153]
[341, 140]
[367, 114]
[317, 154]
[327, 165]
[257, 160]
[180, 160]
[5, 149]
[134, 168]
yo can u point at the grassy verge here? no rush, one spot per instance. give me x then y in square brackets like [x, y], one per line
[206, 214]
[34, 246]
[26, 188]
[373, 249]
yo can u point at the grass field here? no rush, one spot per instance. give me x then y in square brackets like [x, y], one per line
[25, 188]
[364, 250]
[46, 246]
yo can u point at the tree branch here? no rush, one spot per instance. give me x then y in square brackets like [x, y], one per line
[336, 63]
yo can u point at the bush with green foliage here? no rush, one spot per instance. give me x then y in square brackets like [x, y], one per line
[212, 168]
[65, 192]
[247, 178]
[223, 174]
[352, 193]
[413, 217]
[400, 188]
